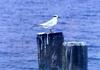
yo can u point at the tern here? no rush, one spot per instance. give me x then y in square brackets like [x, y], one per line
[51, 23]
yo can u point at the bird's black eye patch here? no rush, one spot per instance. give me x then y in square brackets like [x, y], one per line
[54, 16]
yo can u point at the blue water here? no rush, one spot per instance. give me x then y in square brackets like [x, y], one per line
[80, 21]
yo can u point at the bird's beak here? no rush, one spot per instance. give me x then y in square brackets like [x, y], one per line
[59, 17]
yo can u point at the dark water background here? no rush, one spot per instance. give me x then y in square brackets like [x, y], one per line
[80, 21]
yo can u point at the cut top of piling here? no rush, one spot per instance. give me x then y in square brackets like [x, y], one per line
[43, 33]
[75, 43]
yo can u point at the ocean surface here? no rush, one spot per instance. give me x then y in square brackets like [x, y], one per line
[79, 21]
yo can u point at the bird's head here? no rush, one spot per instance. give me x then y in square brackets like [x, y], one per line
[56, 16]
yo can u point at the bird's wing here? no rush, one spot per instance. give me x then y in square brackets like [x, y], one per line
[48, 22]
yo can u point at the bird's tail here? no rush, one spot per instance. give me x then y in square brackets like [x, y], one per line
[36, 25]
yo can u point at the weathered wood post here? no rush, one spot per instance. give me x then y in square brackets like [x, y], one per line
[76, 53]
[51, 52]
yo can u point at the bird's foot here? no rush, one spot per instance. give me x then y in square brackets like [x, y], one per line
[51, 31]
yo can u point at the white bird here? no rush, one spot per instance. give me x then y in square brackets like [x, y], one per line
[51, 23]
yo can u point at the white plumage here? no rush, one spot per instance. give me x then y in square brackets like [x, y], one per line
[51, 23]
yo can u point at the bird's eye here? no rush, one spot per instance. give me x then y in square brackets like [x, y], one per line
[55, 15]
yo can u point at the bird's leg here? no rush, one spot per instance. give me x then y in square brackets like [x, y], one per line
[50, 30]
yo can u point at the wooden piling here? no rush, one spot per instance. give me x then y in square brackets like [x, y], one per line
[76, 53]
[51, 52]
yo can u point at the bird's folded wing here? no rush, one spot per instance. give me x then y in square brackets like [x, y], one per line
[48, 22]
